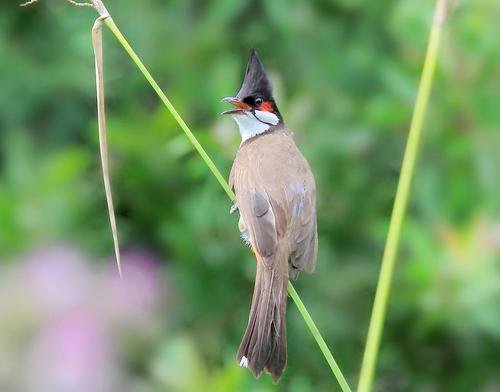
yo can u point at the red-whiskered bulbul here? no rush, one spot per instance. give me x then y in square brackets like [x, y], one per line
[276, 198]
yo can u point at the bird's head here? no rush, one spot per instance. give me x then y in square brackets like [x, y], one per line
[254, 110]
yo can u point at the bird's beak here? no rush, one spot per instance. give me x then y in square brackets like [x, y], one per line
[239, 105]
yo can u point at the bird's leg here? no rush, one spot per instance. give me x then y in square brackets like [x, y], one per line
[234, 208]
[245, 235]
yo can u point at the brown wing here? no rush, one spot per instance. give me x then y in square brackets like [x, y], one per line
[303, 233]
[275, 194]
[255, 209]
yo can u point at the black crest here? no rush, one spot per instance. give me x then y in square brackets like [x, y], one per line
[256, 81]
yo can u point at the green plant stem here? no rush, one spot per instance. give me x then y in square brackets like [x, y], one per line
[319, 339]
[302, 309]
[211, 165]
[400, 203]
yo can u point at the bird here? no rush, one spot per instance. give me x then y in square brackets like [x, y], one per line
[275, 195]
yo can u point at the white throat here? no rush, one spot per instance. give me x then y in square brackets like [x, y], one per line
[254, 123]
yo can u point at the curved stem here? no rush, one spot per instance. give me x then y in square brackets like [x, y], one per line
[101, 123]
[196, 144]
[400, 204]
[319, 339]
[215, 171]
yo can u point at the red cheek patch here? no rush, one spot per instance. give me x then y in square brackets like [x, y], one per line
[266, 107]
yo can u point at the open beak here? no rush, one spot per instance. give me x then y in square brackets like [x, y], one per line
[239, 105]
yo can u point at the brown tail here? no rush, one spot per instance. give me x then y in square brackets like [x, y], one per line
[264, 344]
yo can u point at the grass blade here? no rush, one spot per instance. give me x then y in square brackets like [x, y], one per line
[101, 122]
[196, 144]
[319, 339]
[400, 203]
[215, 171]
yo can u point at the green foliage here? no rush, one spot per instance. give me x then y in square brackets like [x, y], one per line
[345, 76]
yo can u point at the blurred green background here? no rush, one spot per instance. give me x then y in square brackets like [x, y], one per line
[345, 74]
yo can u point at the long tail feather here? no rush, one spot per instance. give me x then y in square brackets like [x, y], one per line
[264, 344]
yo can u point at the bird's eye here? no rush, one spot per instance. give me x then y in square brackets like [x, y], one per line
[258, 101]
